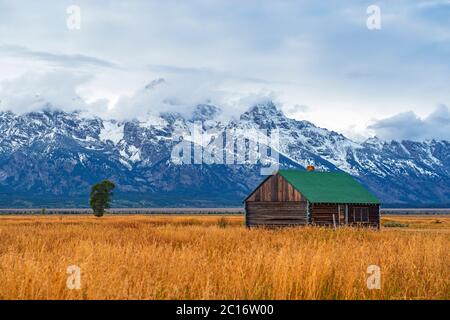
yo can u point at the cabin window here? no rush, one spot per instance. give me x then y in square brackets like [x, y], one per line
[360, 214]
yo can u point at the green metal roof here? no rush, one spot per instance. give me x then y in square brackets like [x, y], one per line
[328, 187]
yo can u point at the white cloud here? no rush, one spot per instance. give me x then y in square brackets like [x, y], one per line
[63, 90]
[409, 126]
[67, 60]
[297, 108]
[313, 53]
[33, 91]
[182, 93]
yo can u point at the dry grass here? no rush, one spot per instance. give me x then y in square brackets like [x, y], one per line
[205, 257]
[418, 222]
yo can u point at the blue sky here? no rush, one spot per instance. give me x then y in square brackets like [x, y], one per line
[316, 59]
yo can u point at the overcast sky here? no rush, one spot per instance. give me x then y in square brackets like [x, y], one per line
[316, 59]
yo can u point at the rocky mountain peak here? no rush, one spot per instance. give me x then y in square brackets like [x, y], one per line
[51, 153]
[203, 112]
[265, 114]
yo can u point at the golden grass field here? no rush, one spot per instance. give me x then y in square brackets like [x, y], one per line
[216, 257]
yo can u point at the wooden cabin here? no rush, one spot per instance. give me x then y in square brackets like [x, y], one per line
[293, 197]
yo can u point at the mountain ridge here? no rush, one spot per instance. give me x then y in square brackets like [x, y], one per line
[51, 157]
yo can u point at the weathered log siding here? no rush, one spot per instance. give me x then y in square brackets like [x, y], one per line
[322, 214]
[276, 213]
[275, 188]
[373, 211]
[276, 203]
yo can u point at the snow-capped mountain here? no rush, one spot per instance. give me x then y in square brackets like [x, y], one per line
[50, 158]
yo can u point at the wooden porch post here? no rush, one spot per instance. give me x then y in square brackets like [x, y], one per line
[308, 214]
[346, 214]
[339, 215]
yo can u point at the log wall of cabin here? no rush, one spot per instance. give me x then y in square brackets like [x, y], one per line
[322, 214]
[276, 213]
[374, 215]
[276, 203]
[275, 188]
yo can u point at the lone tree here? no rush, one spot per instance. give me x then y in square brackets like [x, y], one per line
[101, 195]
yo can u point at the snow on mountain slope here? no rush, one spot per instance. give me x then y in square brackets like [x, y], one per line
[52, 157]
[112, 131]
